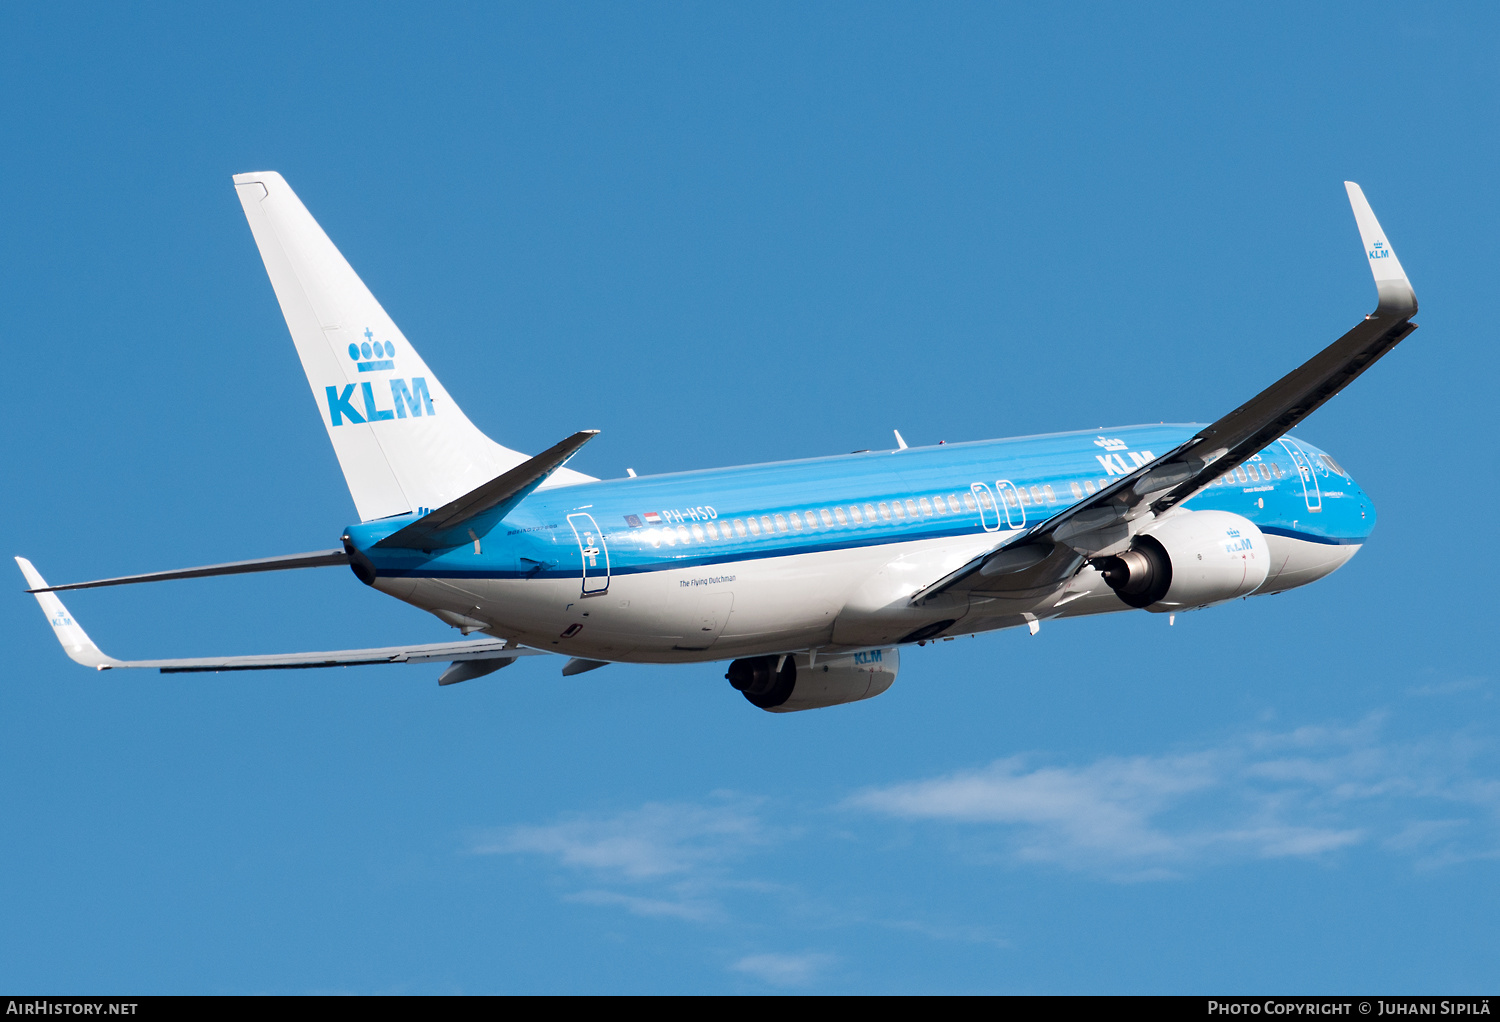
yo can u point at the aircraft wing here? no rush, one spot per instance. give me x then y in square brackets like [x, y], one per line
[1051, 551]
[81, 648]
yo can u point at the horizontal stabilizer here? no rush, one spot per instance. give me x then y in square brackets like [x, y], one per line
[477, 511]
[81, 648]
[315, 559]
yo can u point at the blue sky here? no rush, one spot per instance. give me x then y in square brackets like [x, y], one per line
[725, 236]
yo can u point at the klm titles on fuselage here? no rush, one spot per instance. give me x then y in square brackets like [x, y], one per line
[1114, 462]
[406, 398]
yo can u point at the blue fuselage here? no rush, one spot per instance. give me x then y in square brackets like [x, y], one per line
[720, 517]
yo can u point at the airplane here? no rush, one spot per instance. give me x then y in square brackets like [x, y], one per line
[808, 576]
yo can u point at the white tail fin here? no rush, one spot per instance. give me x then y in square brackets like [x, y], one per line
[402, 442]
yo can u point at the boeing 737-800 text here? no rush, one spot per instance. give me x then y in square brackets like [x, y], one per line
[808, 575]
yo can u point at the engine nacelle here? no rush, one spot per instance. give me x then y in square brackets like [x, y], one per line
[1189, 560]
[845, 678]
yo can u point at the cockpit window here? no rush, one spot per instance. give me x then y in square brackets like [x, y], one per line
[1333, 465]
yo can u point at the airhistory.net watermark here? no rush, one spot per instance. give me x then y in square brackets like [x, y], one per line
[47, 1006]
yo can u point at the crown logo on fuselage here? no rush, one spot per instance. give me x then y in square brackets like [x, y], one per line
[370, 357]
[1111, 443]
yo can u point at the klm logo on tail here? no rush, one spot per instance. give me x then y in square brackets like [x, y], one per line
[372, 356]
[379, 355]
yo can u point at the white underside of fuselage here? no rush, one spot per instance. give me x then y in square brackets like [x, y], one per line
[829, 601]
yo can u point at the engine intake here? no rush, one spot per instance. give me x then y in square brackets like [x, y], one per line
[799, 685]
[1189, 560]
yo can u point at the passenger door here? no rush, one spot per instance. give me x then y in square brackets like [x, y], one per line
[594, 553]
[1310, 491]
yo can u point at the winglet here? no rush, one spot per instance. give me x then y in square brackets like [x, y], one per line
[75, 642]
[1396, 294]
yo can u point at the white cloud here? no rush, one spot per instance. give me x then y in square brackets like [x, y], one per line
[1106, 807]
[672, 859]
[654, 841]
[692, 910]
[784, 970]
[1309, 792]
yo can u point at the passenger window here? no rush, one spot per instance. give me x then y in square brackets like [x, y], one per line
[870, 511]
[838, 513]
[1103, 483]
[969, 501]
[796, 522]
[754, 527]
[1010, 497]
[885, 511]
[698, 533]
[739, 527]
[669, 536]
[899, 511]
[1088, 486]
[854, 513]
[911, 508]
[926, 506]
[827, 518]
[765, 524]
[941, 504]
[781, 523]
[682, 533]
[1265, 473]
[812, 519]
[985, 501]
[1051, 496]
[1025, 497]
[713, 530]
[1239, 473]
[1077, 490]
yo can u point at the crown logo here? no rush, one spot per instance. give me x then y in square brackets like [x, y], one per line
[369, 357]
[1111, 443]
